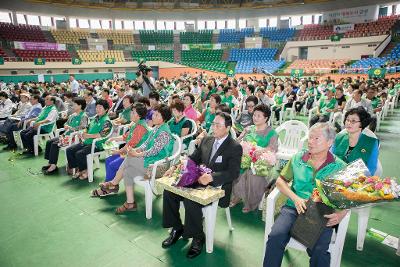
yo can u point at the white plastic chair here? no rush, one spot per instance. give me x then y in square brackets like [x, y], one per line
[296, 133]
[148, 185]
[210, 217]
[45, 136]
[17, 135]
[191, 134]
[337, 240]
[95, 156]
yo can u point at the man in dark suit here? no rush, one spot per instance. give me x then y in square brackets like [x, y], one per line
[222, 154]
[118, 107]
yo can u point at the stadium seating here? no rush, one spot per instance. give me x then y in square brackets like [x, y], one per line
[234, 36]
[201, 55]
[248, 66]
[315, 32]
[50, 55]
[246, 54]
[161, 55]
[275, 34]
[100, 56]
[320, 32]
[156, 37]
[204, 59]
[380, 27]
[70, 36]
[119, 37]
[200, 37]
[27, 33]
[316, 66]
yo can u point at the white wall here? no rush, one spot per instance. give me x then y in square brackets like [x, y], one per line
[335, 50]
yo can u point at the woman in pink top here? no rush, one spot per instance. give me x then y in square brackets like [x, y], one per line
[190, 112]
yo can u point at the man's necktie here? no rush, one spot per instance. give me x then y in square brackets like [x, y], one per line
[214, 149]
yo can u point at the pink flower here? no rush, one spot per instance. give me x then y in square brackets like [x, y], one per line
[387, 181]
[347, 184]
[370, 180]
[269, 157]
[378, 186]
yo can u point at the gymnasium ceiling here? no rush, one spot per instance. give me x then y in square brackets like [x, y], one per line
[179, 10]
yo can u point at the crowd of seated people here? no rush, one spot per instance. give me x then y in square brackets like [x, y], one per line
[226, 111]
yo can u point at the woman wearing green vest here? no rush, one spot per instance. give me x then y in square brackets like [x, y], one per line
[159, 145]
[249, 187]
[99, 127]
[179, 124]
[76, 122]
[279, 100]
[207, 117]
[356, 142]
[228, 99]
[137, 135]
[326, 106]
[125, 116]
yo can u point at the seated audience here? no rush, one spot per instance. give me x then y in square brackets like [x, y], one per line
[99, 127]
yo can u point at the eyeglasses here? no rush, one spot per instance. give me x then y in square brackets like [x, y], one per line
[217, 125]
[352, 121]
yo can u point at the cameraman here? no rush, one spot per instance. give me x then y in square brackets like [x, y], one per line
[146, 80]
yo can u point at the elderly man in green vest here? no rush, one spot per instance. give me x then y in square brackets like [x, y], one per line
[47, 118]
[305, 167]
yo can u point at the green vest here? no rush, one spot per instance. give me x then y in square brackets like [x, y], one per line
[75, 122]
[126, 115]
[145, 136]
[176, 128]
[261, 140]
[165, 152]
[43, 115]
[304, 175]
[362, 150]
[208, 119]
[278, 99]
[228, 100]
[375, 102]
[95, 127]
[327, 104]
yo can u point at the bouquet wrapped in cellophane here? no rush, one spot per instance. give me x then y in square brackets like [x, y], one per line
[187, 173]
[259, 164]
[353, 187]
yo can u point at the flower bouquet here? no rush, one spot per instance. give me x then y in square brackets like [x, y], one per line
[260, 165]
[347, 189]
[187, 173]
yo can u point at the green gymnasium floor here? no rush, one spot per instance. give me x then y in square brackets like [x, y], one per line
[52, 221]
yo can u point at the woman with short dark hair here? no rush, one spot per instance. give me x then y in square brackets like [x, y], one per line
[356, 140]
[179, 124]
[250, 187]
[76, 122]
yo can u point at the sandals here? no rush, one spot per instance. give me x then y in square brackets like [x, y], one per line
[109, 186]
[102, 192]
[126, 207]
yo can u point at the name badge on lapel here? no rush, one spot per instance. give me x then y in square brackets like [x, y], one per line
[219, 159]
